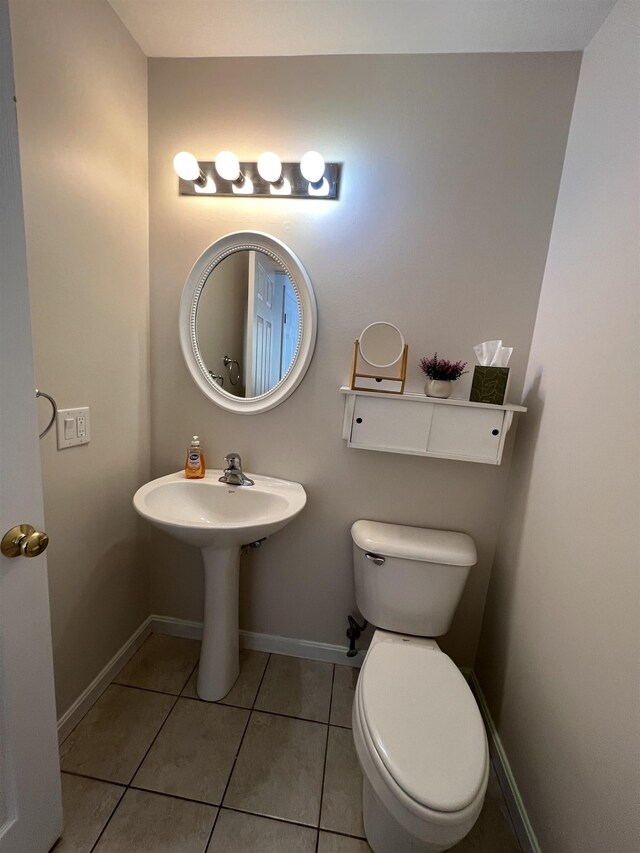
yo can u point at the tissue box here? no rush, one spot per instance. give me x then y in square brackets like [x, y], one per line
[489, 384]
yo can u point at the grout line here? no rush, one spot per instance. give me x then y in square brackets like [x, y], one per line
[324, 765]
[229, 705]
[184, 799]
[128, 787]
[344, 834]
[284, 820]
[148, 689]
[233, 766]
[333, 684]
[257, 710]
[93, 778]
[113, 811]
[133, 787]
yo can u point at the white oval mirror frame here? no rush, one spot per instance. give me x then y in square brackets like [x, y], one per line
[385, 344]
[308, 320]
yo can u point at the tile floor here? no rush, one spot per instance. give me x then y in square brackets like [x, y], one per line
[271, 768]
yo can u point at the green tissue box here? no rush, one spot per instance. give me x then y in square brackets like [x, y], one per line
[489, 385]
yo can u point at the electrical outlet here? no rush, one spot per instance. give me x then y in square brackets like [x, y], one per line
[72, 427]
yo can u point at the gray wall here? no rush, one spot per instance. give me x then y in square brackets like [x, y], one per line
[560, 647]
[81, 85]
[451, 171]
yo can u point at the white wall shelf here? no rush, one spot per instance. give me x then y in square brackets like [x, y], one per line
[426, 426]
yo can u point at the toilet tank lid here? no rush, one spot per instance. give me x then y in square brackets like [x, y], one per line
[415, 543]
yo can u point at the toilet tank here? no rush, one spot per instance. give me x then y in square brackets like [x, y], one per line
[410, 579]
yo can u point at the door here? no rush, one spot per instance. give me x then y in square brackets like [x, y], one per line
[264, 329]
[30, 804]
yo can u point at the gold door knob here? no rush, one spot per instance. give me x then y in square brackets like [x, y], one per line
[23, 541]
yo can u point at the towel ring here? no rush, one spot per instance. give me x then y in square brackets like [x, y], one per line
[229, 363]
[53, 413]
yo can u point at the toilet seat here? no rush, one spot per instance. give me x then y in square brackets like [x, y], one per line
[421, 719]
[418, 818]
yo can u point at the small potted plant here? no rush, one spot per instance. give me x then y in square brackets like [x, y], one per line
[440, 374]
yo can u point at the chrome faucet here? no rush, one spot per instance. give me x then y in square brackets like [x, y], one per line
[233, 475]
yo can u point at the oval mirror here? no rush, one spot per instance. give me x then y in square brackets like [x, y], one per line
[248, 322]
[381, 344]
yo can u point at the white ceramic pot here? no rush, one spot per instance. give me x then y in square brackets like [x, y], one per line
[438, 388]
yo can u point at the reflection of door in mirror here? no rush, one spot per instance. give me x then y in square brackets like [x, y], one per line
[267, 285]
[220, 320]
[248, 316]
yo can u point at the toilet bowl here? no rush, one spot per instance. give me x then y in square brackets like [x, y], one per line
[417, 729]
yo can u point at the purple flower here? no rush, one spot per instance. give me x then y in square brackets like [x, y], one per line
[441, 368]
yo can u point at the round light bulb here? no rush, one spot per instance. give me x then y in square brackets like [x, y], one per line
[312, 167]
[228, 166]
[186, 166]
[269, 167]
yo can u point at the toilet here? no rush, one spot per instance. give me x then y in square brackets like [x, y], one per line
[417, 730]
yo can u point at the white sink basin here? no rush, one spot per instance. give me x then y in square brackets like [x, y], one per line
[209, 513]
[219, 519]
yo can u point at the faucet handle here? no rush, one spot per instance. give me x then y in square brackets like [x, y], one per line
[233, 460]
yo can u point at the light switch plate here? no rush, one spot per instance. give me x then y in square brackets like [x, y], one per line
[77, 429]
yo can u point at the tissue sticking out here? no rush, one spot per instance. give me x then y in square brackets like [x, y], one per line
[493, 354]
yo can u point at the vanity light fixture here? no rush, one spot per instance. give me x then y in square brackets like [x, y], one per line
[269, 177]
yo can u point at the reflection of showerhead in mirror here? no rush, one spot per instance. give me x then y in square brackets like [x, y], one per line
[381, 344]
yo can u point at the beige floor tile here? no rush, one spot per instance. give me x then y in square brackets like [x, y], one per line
[344, 686]
[279, 769]
[87, 805]
[193, 755]
[330, 843]
[111, 740]
[493, 832]
[161, 663]
[246, 833]
[153, 823]
[299, 688]
[243, 692]
[342, 794]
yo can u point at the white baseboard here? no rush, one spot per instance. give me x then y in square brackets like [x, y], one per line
[193, 630]
[515, 804]
[173, 627]
[261, 642]
[299, 648]
[88, 697]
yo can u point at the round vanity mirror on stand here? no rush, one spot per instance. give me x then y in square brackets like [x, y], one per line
[248, 322]
[381, 345]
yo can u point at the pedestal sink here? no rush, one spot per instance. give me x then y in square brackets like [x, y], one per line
[219, 519]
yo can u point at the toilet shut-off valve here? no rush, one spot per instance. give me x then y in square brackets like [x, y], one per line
[353, 633]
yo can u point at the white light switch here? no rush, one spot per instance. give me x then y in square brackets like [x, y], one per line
[72, 427]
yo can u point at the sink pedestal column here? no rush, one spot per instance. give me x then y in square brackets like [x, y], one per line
[219, 659]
